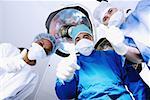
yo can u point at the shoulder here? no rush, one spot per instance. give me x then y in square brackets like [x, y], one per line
[109, 52]
[112, 54]
[7, 50]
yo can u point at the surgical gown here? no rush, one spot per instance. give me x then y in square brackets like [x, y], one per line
[18, 85]
[133, 75]
[137, 26]
[102, 76]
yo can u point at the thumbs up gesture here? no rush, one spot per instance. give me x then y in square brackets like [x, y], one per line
[66, 67]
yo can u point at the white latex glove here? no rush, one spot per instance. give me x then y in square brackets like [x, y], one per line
[13, 64]
[115, 36]
[67, 67]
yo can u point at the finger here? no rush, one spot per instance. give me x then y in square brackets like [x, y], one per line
[104, 27]
[64, 70]
[76, 66]
[70, 77]
[63, 66]
[61, 76]
[19, 62]
[62, 63]
[22, 54]
[66, 73]
[22, 63]
[18, 67]
[70, 69]
[15, 67]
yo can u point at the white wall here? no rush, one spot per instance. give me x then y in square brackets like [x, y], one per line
[47, 86]
[21, 22]
[0, 22]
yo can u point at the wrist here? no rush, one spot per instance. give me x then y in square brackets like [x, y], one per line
[120, 48]
[70, 78]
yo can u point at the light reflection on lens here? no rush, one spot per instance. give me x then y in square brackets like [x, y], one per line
[63, 20]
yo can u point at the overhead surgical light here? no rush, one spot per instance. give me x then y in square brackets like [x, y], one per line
[61, 20]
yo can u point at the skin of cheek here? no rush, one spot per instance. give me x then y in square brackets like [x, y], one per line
[109, 16]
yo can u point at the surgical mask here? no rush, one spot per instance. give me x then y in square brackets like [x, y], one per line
[85, 47]
[36, 52]
[117, 18]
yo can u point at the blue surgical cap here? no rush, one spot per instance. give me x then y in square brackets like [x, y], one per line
[48, 37]
[74, 31]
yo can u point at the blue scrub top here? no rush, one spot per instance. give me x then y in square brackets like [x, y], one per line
[134, 20]
[138, 16]
[101, 76]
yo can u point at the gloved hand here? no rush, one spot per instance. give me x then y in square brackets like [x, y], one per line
[115, 36]
[67, 67]
[13, 64]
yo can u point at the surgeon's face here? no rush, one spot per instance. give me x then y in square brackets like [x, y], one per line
[108, 14]
[83, 36]
[46, 44]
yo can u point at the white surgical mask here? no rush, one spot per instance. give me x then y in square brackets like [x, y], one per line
[85, 47]
[36, 52]
[117, 18]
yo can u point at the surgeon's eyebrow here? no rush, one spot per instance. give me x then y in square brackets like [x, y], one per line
[105, 18]
[40, 43]
[47, 50]
[86, 36]
[77, 39]
[110, 11]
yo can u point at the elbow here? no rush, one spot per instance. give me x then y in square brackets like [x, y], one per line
[133, 55]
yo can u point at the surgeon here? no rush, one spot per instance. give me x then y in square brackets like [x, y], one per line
[93, 74]
[18, 78]
[135, 27]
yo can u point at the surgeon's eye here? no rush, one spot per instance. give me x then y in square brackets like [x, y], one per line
[77, 39]
[41, 43]
[105, 19]
[86, 36]
[46, 50]
[110, 11]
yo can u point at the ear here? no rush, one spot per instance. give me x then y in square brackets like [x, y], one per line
[102, 0]
[128, 10]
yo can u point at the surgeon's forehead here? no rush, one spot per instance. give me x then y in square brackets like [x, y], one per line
[42, 39]
[82, 34]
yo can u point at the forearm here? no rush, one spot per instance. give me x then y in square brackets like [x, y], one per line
[138, 90]
[133, 55]
[134, 82]
[3, 63]
[137, 50]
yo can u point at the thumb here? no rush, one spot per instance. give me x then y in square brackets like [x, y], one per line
[103, 27]
[71, 59]
[22, 54]
[75, 66]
